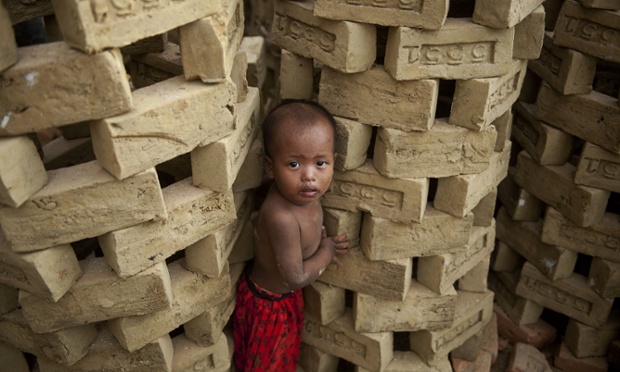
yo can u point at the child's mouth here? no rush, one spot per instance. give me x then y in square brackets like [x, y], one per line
[309, 192]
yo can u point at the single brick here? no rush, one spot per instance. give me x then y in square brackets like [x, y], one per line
[22, 173]
[604, 277]
[524, 358]
[598, 168]
[255, 49]
[520, 310]
[529, 35]
[566, 361]
[504, 13]
[539, 334]
[296, 77]
[189, 356]
[352, 143]
[323, 302]
[7, 40]
[585, 341]
[518, 202]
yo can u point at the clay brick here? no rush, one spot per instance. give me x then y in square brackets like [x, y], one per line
[92, 27]
[20, 11]
[62, 152]
[554, 261]
[553, 184]
[255, 50]
[503, 126]
[8, 298]
[99, 295]
[22, 173]
[238, 75]
[597, 240]
[544, 143]
[372, 351]
[524, 358]
[7, 41]
[517, 201]
[189, 357]
[312, 359]
[590, 31]
[440, 272]
[443, 151]
[209, 256]
[296, 77]
[344, 46]
[565, 70]
[192, 295]
[193, 214]
[152, 44]
[338, 221]
[169, 118]
[604, 277]
[485, 210]
[365, 189]
[77, 130]
[600, 4]
[505, 258]
[250, 175]
[429, 16]
[567, 362]
[148, 69]
[585, 341]
[244, 246]
[570, 296]
[46, 88]
[324, 302]
[105, 353]
[598, 168]
[208, 45]
[473, 312]
[459, 195]
[421, 309]
[539, 334]
[50, 217]
[216, 165]
[390, 278]
[482, 363]
[520, 310]
[13, 359]
[437, 233]
[66, 346]
[461, 49]
[409, 361]
[475, 280]
[478, 102]
[347, 95]
[569, 113]
[504, 13]
[352, 143]
[529, 35]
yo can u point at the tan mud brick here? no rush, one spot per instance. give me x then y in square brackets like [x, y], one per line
[459, 195]
[77, 130]
[344, 46]
[545, 144]
[439, 273]
[594, 117]
[485, 341]
[152, 44]
[604, 277]
[461, 49]
[389, 279]
[366, 190]
[81, 202]
[521, 311]
[598, 240]
[312, 359]
[216, 165]
[529, 35]
[553, 184]
[475, 280]
[518, 202]
[478, 102]
[99, 295]
[424, 15]
[411, 104]
[409, 361]
[538, 334]
[437, 233]
[503, 126]
[250, 174]
[244, 246]
[504, 13]
[22, 173]
[193, 214]
[600, 4]
[296, 77]
[590, 31]
[598, 168]
[337, 221]
[524, 357]
[505, 258]
[95, 26]
[473, 312]
[189, 356]
[324, 302]
[255, 50]
[585, 341]
[485, 210]
[209, 45]
[372, 351]
[53, 85]
[62, 152]
[7, 40]
[570, 296]
[49, 273]
[443, 151]
[13, 359]
[209, 256]
[565, 70]
[148, 69]
[352, 143]
[105, 353]
[567, 362]
[8, 298]
[20, 11]
[66, 346]
[238, 75]
[192, 295]
[169, 118]
[421, 309]
[525, 238]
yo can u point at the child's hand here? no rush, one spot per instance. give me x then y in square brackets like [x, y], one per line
[339, 243]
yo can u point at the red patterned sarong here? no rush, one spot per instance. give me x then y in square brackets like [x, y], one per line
[267, 328]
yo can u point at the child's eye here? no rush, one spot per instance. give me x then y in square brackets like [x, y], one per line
[321, 163]
[293, 164]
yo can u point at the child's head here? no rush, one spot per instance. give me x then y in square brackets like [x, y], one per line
[299, 142]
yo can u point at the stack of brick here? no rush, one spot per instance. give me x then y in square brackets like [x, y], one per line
[559, 224]
[121, 246]
[422, 93]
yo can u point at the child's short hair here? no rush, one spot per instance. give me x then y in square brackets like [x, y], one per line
[302, 112]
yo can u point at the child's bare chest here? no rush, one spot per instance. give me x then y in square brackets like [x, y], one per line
[310, 232]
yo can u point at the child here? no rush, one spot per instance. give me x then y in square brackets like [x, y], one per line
[291, 246]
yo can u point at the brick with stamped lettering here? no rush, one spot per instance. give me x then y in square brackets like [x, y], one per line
[598, 168]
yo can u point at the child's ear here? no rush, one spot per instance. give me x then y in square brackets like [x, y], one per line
[268, 166]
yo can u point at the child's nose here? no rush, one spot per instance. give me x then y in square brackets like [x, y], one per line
[308, 174]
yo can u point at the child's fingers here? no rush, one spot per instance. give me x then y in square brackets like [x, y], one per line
[337, 261]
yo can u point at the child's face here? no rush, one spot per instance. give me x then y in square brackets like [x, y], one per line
[302, 161]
